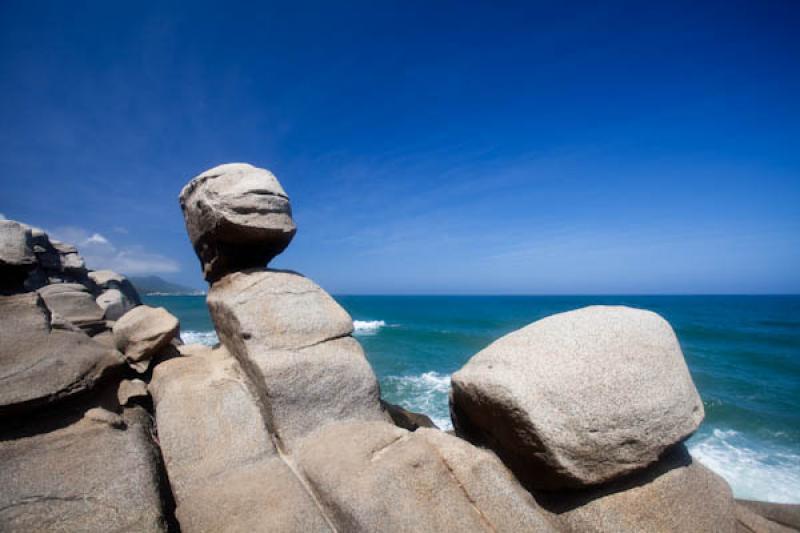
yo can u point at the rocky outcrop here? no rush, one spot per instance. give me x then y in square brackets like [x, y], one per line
[143, 333]
[281, 427]
[534, 396]
[237, 216]
[40, 364]
[94, 474]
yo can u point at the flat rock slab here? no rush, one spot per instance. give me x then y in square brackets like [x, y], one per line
[40, 365]
[378, 477]
[87, 476]
[675, 494]
[73, 302]
[579, 398]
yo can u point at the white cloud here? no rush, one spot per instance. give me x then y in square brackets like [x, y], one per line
[99, 253]
[97, 239]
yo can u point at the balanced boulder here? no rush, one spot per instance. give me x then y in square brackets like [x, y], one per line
[237, 216]
[143, 333]
[41, 364]
[579, 398]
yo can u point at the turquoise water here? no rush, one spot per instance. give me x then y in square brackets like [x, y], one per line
[743, 352]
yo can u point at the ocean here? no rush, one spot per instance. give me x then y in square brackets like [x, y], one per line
[743, 353]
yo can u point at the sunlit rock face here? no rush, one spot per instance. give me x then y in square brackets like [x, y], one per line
[238, 216]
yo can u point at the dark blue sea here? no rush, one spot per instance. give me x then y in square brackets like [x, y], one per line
[743, 352]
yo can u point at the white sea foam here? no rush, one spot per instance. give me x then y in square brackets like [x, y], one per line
[753, 471]
[367, 327]
[424, 393]
[209, 338]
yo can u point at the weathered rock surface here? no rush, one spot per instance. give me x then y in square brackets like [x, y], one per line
[40, 365]
[579, 398]
[87, 476]
[16, 253]
[293, 341]
[224, 469]
[75, 303]
[377, 477]
[675, 494]
[237, 216]
[143, 332]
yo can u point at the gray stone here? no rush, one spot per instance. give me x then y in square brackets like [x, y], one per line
[377, 477]
[224, 469]
[87, 476]
[75, 303]
[579, 398]
[16, 254]
[237, 216]
[114, 304]
[15, 245]
[143, 332]
[293, 341]
[40, 365]
[108, 279]
[675, 494]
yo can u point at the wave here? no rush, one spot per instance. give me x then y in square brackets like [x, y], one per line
[209, 338]
[424, 393]
[367, 327]
[758, 472]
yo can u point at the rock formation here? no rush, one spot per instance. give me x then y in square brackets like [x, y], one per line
[76, 453]
[579, 398]
[578, 418]
[238, 216]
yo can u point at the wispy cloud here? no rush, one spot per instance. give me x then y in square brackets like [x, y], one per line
[100, 253]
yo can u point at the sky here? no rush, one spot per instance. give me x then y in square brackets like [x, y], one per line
[427, 147]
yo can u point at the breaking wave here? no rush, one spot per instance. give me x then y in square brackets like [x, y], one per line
[367, 327]
[209, 338]
[753, 471]
[424, 393]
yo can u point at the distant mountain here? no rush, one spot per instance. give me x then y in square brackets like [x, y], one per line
[156, 285]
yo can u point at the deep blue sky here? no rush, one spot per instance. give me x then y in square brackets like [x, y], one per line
[495, 147]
